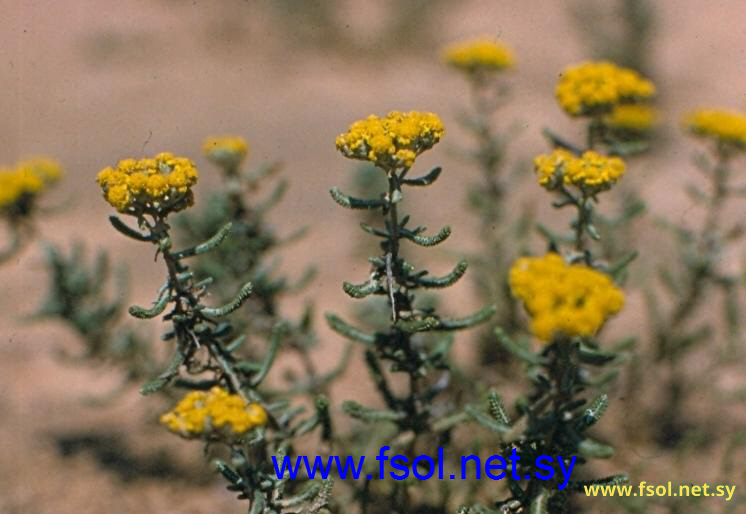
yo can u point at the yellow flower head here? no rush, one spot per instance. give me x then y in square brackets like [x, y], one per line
[19, 185]
[45, 168]
[226, 151]
[638, 118]
[562, 299]
[723, 126]
[591, 172]
[214, 412]
[391, 142]
[156, 185]
[478, 55]
[596, 86]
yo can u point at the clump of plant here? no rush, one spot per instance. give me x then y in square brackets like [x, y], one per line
[226, 406]
[569, 294]
[88, 296]
[20, 189]
[416, 341]
[679, 329]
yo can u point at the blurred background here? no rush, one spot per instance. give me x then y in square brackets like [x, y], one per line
[90, 83]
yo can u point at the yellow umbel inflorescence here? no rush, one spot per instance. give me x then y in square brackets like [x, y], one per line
[562, 299]
[391, 142]
[212, 413]
[226, 151]
[478, 55]
[727, 127]
[591, 172]
[27, 179]
[595, 86]
[156, 185]
[632, 117]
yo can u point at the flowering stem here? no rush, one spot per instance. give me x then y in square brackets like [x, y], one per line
[392, 144]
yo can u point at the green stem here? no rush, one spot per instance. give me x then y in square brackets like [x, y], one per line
[720, 175]
[580, 225]
[595, 131]
[583, 219]
[392, 256]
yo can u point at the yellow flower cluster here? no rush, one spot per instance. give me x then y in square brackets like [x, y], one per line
[562, 299]
[391, 142]
[213, 412]
[27, 179]
[478, 55]
[226, 151]
[724, 126]
[591, 172]
[156, 185]
[632, 117]
[596, 86]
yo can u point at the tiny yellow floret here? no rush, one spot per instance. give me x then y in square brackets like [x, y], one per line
[393, 141]
[156, 185]
[228, 152]
[215, 412]
[478, 55]
[562, 299]
[591, 172]
[727, 127]
[596, 86]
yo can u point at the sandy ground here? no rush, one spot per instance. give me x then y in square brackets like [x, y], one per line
[92, 82]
